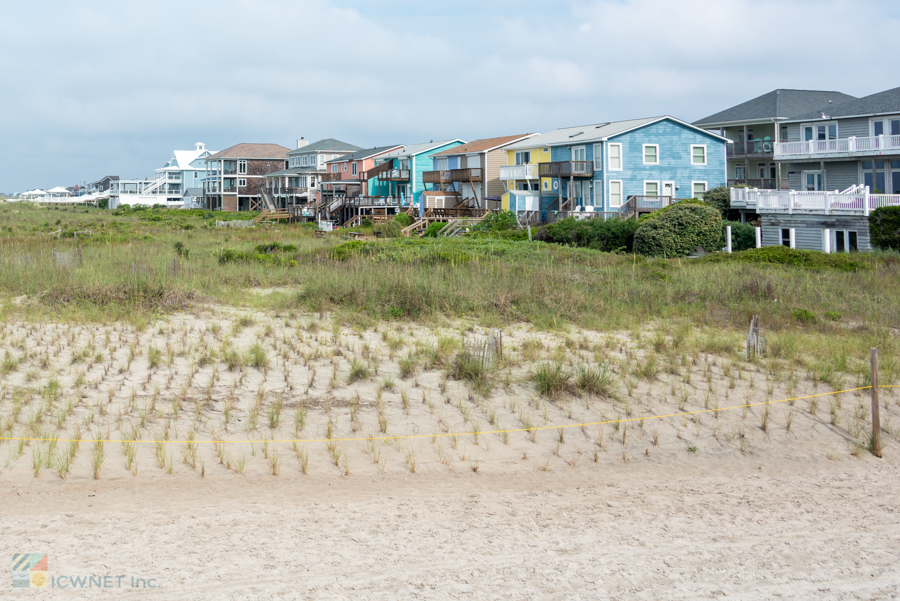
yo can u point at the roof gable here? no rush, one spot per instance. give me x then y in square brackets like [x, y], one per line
[326, 145]
[483, 145]
[414, 149]
[777, 104]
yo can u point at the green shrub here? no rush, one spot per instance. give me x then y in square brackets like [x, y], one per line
[403, 219]
[344, 251]
[720, 198]
[366, 222]
[664, 210]
[434, 228]
[807, 259]
[604, 235]
[884, 227]
[498, 222]
[388, 229]
[679, 230]
[743, 236]
[833, 315]
[804, 315]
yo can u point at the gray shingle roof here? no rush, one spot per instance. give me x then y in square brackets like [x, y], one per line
[874, 104]
[782, 104]
[364, 153]
[326, 145]
[294, 171]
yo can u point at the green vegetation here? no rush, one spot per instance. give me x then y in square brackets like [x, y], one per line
[743, 236]
[884, 226]
[678, 230]
[807, 259]
[614, 235]
[719, 198]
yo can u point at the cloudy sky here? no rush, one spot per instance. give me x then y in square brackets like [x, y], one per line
[101, 87]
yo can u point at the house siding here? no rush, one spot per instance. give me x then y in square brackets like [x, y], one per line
[808, 229]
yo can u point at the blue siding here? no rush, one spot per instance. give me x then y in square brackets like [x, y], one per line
[674, 140]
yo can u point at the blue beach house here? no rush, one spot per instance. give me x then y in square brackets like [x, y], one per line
[600, 167]
[404, 178]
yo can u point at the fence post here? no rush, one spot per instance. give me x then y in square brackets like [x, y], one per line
[758, 237]
[826, 241]
[875, 445]
[728, 244]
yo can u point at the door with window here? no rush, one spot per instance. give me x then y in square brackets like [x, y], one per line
[874, 175]
[668, 189]
[812, 181]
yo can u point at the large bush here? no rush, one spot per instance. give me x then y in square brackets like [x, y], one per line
[388, 229]
[679, 231]
[434, 228]
[498, 222]
[884, 227]
[720, 198]
[743, 236]
[403, 219]
[607, 235]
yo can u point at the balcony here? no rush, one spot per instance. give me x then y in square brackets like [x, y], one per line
[331, 177]
[838, 148]
[474, 174]
[519, 172]
[394, 175]
[567, 169]
[752, 148]
[436, 177]
[286, 191]
[853, 201]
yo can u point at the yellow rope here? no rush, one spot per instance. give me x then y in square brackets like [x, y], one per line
[445, 434]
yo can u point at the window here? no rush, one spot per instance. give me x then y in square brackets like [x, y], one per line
[535, 187]
[523, 157]
[738, 172]
[598, 157]
[242, 167]
[578, 154]
[784, 133]
[305, 160]
[598, 193]
[312, 182]
[522, 186]
[615, 194]
[651, 154]
[334, 168]
[811, 180]
[698, 154]
[651, 188]
[343, 166]
[547, 150]
[353, 168]
[890, 127]
[820, 131]
[785, 237]
[698, 189]
[242, 183]
[875, 176]
[441, 164]
[615, 157]
[762, 170]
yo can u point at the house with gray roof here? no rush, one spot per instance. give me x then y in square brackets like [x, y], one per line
[236, 177]
[754, 128]
[636, 165]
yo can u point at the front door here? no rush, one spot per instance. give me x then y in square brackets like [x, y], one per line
[669, 189]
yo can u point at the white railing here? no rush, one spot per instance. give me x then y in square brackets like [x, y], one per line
[870, 145]
[856, 199]
[518, 172]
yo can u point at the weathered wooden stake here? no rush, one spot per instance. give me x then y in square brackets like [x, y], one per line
[876, 422]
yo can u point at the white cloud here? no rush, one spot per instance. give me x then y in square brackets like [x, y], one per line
[101, 86]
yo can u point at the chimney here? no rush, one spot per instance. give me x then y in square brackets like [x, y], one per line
[302, 142]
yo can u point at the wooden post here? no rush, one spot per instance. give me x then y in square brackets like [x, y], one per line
[529, 232]
[728, 244]
[876, 422]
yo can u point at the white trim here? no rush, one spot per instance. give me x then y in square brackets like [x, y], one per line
[705, 155]
[353, 168]
[651, 181]
[621, 166]
[621, 193]
[705, 187]
[815, 124]
[882, 118]
[644, 153]
[574, 148]
[598, 166]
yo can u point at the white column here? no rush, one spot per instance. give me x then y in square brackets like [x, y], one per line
[826, 241]
[793, 237]
[758, 237]
[728, 245]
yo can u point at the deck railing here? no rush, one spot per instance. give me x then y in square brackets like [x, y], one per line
[473, 174]
[751, 148]
[567, 169]
[394, 175]
[764, 183]
[849, 146]
[854, 200]
[436, 177]
[509, 172]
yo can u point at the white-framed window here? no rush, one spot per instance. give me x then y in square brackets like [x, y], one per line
[303, 161]
[651, 188]
[884, 126]
[523, 157]
[242, 167]
[651, 154]
[598, 191]
[546, 150]
[242, 183]
[441, 164]
[334, 168]
[302, 181]
[819, 131]
[615, 193]
[312, 182]
[343, 166]
[353, 168]
[598, 157]
[615, 157]
[579, 153]
[698, 154]
[321, 159]
[698, 189]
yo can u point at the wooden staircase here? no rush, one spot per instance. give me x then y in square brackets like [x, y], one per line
[460, 226]
[270, 216]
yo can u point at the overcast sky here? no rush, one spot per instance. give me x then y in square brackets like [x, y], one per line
[101, 87]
